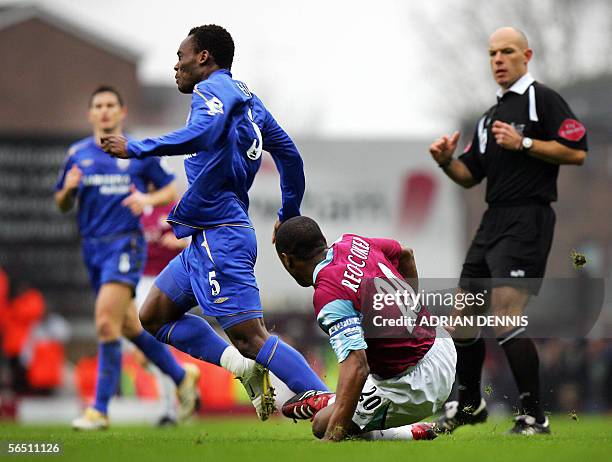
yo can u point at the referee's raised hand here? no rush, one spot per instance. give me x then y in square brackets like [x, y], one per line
[443, 148]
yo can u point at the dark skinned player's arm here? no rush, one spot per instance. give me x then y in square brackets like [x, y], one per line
[407, 268]
[353, 373]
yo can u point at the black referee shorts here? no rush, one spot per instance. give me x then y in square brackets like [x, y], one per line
[510, 248]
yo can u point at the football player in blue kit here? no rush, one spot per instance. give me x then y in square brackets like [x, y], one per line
[111, 194]
[227, 129]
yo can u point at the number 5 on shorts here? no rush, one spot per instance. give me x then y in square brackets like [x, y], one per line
[215, 288]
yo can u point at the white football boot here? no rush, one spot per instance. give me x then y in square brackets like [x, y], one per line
[187, 391]
[92, 419]
[256, 382]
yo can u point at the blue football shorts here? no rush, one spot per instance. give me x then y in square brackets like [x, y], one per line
[117, 258]
[217, 271]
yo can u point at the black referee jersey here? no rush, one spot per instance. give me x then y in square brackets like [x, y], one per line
[512, 244]
[514, 177]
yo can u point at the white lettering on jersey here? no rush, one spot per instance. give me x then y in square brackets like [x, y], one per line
[215, 106]
[244, 89]
[394, 286]
[109, 183]
[254, 152]
[360, 250]
[123, 164]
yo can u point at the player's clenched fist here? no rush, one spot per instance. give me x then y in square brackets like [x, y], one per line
[443, 148]
[73, 178]
[115, 145]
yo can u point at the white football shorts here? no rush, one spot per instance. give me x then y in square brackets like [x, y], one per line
[412, 396]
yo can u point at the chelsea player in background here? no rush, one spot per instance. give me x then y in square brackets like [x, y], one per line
[227, 129]
[110, 200]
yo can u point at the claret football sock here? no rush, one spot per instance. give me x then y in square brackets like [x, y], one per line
[194, 336]
[470, 358]
[158, 354]
[289, 366]
[525, 365]
[109, 372]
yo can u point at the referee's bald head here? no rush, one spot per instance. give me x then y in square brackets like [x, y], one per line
[509, 55]
[512, 34]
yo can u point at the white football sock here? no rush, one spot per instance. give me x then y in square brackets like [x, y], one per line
[232, 361]
[397, 433]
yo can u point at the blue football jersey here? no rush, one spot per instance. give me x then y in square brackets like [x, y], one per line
[227, 129]
[105, 183]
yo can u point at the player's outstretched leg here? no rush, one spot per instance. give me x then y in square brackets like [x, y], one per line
[195, 336]
[111, 304]
[165, 318]
[253, 341]
[412, 432]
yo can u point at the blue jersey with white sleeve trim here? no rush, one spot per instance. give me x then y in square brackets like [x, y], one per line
[105, 184]
[227, 129]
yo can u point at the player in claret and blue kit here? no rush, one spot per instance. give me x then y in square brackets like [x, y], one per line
[227, 129]
[386, 383]
[111, 194]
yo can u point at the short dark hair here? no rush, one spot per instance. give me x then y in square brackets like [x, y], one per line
[217, 41]
[300, 237]
[106, 89]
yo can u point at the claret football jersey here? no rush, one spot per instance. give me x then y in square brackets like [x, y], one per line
[343, 284]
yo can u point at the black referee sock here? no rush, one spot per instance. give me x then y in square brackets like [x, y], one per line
[525, 365]
[470, 358]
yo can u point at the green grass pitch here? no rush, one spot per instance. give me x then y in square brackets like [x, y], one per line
[588, 439]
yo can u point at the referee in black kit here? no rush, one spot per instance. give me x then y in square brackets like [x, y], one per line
[518, 146]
